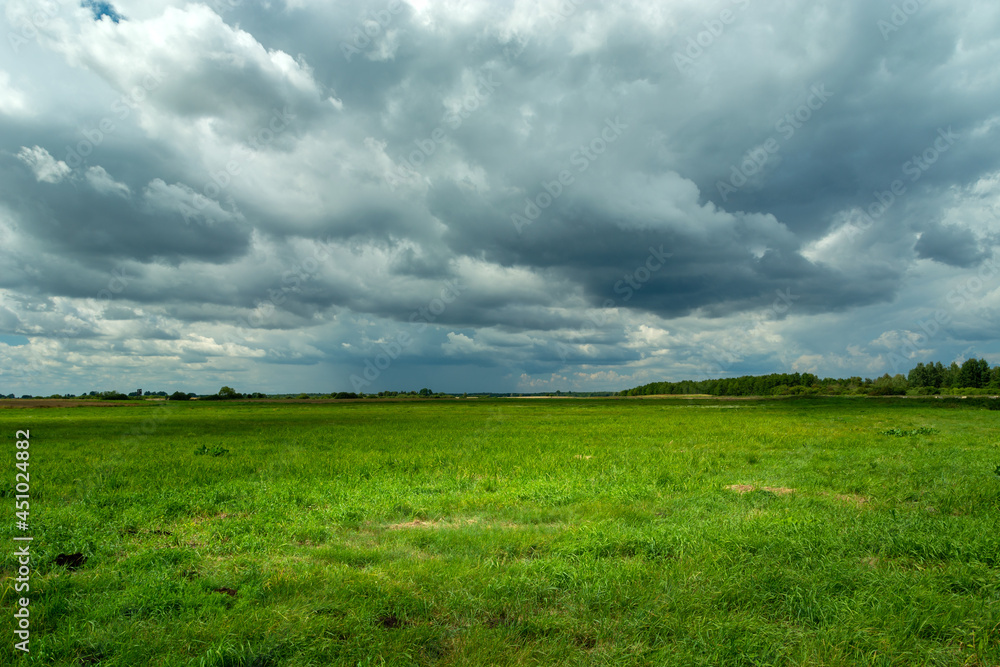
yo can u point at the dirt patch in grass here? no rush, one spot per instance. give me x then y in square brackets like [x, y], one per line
[847, 497]
[499, 620]
[442, 525]
[219, 516]
[784, 491]
[747, 488]
[586, 457]
[68, 403]
[416, 523]
[71, 561]
[390, 621]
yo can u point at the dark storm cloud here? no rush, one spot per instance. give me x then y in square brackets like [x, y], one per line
[73, 220]
[956, 246]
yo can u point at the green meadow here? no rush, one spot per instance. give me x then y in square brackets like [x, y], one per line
[510, 532]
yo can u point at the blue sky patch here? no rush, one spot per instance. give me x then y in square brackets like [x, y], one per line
[13, 340]
[102, 9]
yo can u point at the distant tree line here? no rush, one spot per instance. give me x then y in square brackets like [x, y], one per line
[227, 394]
[974, 376]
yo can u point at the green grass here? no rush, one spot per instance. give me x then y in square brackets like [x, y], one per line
[513, 532]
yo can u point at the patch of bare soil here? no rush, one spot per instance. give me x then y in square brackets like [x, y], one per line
[416, 523]
[440, 525]
[67, 403]
[782, 491]
[747, 488]
[847, 497]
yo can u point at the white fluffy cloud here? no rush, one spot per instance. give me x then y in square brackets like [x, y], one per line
[45, 167]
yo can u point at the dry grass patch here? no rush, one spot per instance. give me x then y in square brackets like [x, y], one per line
[847, 497]
[747, 488]
[443, 525]
[221, 515]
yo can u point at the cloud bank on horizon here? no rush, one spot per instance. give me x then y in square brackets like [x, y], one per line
[506, 196]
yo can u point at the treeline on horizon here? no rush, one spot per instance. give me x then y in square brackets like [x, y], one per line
[974, 376]
[229, 394]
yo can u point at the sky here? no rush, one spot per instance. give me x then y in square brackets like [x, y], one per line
[295, 195]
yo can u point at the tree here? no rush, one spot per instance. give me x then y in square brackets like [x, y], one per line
[951, 375]
[935, 375]
[112, 395]
[426, 392]
[984, 373]
[889, 385]
[228, 392]
[974, 373]
[179, 396]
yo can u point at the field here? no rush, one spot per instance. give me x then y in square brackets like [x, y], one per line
[511, 532]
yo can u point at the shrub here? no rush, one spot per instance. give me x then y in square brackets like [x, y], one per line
[215, 451]
[901, 433]
[886, 390]
[112, 396]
